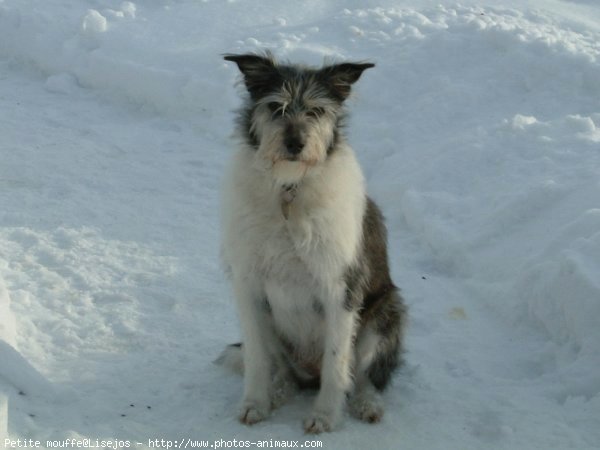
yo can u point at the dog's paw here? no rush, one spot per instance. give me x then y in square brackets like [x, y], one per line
[318, 422]
[252, 412]
[367, 410]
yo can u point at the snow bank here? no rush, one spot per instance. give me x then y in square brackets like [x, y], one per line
[3, 416]
[7, 338]
[561, 288]
[18, 375]
[7, 320]
[96, 49]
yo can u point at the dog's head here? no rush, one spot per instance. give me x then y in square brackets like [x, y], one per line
[294, 113]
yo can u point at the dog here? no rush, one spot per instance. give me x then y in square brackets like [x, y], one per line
[305, 249]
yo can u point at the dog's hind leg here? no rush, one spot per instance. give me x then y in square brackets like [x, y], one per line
[377, 354]
[364, 401]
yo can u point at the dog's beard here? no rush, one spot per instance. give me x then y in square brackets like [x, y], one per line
[286, 171]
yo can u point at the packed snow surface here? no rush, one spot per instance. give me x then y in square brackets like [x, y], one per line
[479, 135]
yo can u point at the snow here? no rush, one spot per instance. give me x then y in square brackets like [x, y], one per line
[94, 23]
[479, 135]
[8, 331]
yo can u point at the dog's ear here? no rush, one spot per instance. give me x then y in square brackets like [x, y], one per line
[340, 77]
[260, 72]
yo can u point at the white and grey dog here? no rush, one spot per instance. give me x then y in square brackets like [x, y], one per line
[306, 250]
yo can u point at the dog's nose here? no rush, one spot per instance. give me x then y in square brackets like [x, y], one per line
[294, 146]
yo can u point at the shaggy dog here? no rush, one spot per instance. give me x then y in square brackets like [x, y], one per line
[306, 250]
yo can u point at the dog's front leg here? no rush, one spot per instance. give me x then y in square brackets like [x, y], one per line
[256, 331]
[336, 379]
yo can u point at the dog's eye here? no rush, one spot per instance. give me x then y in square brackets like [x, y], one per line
[273, 106]
[315, 112]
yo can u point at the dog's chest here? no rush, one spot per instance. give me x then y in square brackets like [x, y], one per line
[288, 250]
[292, 287]
[297, 316]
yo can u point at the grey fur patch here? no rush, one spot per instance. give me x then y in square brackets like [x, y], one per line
[318, 307]
[371, 290]
[266, 305]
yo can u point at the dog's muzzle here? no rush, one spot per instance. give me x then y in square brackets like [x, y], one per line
[293, 146]
[294, 140]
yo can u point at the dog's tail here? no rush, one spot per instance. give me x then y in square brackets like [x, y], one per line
[232, 358]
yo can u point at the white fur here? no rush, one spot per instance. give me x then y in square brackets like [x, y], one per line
[291, 263]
